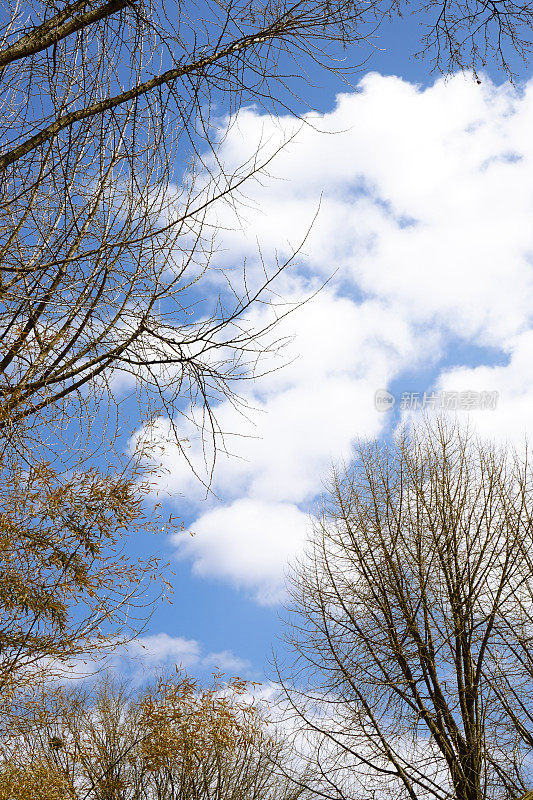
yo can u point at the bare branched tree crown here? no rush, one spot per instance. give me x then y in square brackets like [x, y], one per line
[104, 107]
[413, 623]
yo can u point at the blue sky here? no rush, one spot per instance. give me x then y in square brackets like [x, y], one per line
[424, 194]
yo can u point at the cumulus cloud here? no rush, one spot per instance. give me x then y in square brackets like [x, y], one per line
[248, 543]
[273, 455]
[301, 416]
[426, 199]
[511, 419]
[145, 657]
[161, 649]
[424, 229]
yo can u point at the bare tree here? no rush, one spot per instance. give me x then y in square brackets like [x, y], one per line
[105, 120]
[412, 625]
[104, 117]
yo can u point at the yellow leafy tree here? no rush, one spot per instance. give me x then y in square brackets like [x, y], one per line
[38, 781]
[174, 740]
[185, 723]
[67, 590]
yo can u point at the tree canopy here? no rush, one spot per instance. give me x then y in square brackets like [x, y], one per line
[412, 630]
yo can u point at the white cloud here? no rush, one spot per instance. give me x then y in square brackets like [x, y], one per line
[512, 418]
[412, 207]
[248, 543]
[161, 649]
[146, 656]
[305, 415]
[301, 420]
[225, 660]
[426, 201]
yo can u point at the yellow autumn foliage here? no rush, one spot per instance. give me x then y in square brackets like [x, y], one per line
[39, 780]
